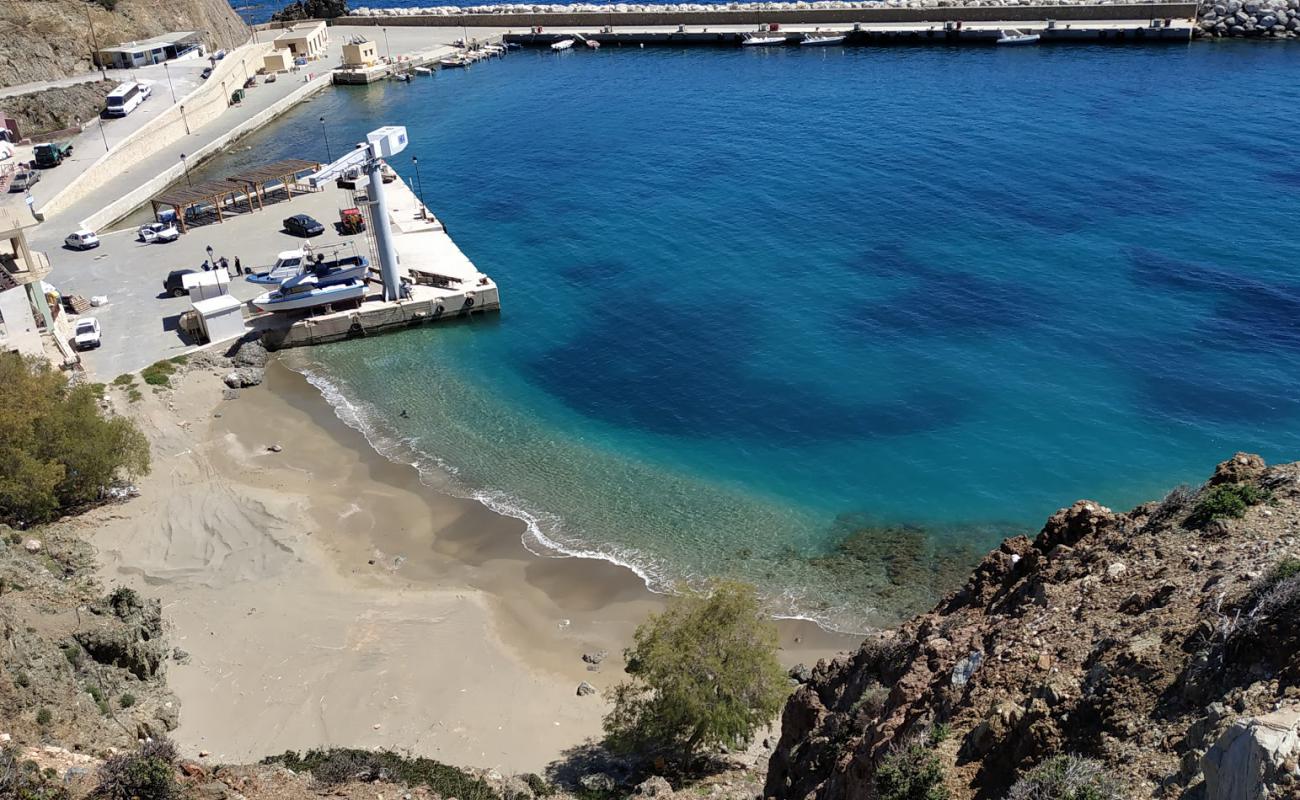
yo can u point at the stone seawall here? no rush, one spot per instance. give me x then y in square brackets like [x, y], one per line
[918, 11]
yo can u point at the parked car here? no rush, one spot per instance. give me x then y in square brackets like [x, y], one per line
[303, 225]
[174, 285]
[270, 78]
[23, 180]
[206, 73]
[158, 233]
[81, 240]
[86, 333]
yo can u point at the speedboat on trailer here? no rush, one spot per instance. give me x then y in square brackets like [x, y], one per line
[304, 292]
[287, 264]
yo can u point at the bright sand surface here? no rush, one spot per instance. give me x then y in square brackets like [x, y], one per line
[327, 597]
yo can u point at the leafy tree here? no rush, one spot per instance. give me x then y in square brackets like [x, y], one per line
[57, 451]
[704, 672]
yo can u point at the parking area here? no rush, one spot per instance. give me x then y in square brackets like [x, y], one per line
[140, 323]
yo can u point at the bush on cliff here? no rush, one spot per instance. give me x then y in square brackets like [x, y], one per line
[23, 780]
[1228, 501]
[912, 772]
[57, 452]
[337, 765]
[147, 774]
[704, 672]
[1067, 777]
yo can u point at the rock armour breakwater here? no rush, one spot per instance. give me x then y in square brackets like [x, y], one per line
[1275, 19]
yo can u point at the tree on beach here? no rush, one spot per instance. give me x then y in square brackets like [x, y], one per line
[704, 673]
[57, 452]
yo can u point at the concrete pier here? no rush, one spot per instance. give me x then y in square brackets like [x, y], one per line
[894, 33]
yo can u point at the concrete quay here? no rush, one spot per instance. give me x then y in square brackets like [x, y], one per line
[892, 33]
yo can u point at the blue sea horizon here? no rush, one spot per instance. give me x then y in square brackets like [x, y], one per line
[756, 301]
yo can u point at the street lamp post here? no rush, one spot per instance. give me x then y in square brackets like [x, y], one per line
[326, 136]
[103, 73]
[419, 187]
[167, 70]
[186, 120]
[388, 50]
[103, 135]
[186, 167]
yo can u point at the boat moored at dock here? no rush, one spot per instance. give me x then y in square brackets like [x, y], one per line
[563, 44]
[752, 40]
[821, 40]
[1014, 37]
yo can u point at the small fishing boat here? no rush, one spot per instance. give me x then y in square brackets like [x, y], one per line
[751, 40]
[423, 71]
[514, 46]
[593, 44]
[287, 264]
[305, 291]
[563, 44]
[820, 40]
[1015, 37]
[454, 61]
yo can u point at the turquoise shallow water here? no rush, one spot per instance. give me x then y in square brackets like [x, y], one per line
[748, 293]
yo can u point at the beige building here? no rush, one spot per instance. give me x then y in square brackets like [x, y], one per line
[360, 53]
[305, 41]
[277, 61]
[25, 308]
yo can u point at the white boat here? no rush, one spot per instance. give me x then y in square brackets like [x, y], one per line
[818, 40]
[751, 40]
[593, 44]
[1014, 37]
[287, 264]
[423, 71]
[454, 61]
[303, 292]
[563, 44]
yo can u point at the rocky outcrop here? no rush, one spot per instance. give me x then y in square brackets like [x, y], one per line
[1255, 758]
[1275, 19]
[1136, 639]
[311, 9]
[51, 39]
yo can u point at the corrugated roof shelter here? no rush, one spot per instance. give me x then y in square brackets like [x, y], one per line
[154, 50]
[192, 203]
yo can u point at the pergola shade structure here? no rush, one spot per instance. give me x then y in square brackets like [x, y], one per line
[251, 188]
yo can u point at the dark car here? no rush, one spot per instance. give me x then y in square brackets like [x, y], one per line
[303, 225]
[175, 283]
[206, 73]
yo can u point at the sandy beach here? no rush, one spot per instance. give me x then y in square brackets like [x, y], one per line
[326, 597]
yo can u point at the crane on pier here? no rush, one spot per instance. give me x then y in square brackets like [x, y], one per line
[368, 156]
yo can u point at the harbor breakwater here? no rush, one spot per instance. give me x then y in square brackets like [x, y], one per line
[1276, 19]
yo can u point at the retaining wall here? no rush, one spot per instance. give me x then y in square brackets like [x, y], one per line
[141, 194]
[723, 16]
[201, 106]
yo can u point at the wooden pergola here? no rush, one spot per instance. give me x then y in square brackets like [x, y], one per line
[217, 194]
[250, 186]
[255, 182]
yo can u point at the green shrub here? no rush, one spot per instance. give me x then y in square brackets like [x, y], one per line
[123, 601]
[57, 452]
[125, 379]
[1228, 501]
[95, 693]
[44, 717]
[126, 700]
[147, 774]
[23, 781]
[134, 395]
[911, 772]
[704, 672]
[538, 785]
[158, 374]
[1068, 777]
[343, 764]
[23, 680]
[179, 361]
[73, 653]
[15, 537]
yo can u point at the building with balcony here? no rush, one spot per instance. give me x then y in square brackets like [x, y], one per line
[28, 307]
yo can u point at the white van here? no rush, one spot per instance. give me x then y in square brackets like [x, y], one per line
[124, 99]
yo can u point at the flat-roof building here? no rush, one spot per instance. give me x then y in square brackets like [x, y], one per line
[155, 50]
[305, 41]
[360, 53]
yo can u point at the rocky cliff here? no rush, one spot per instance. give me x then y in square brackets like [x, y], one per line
[44, 40]
[1161, 645]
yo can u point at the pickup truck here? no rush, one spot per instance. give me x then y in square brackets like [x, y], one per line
[50, 154]
[86, 334]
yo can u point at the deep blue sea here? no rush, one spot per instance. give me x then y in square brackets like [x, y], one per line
[756, 300]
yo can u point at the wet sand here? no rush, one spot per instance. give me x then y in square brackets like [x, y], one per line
[328, 597]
